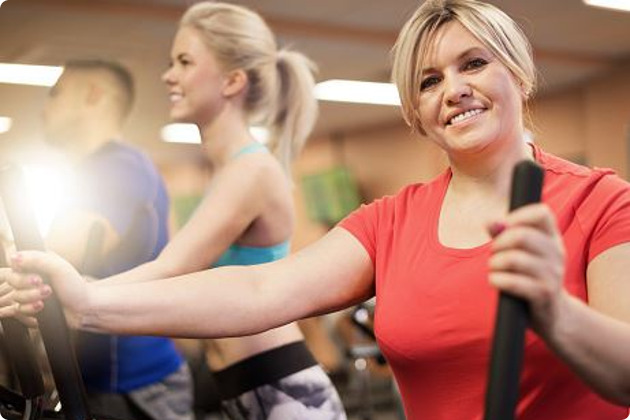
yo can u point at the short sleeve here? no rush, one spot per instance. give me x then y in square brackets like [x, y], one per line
[363, 224]
[114, 185]
[606, 213]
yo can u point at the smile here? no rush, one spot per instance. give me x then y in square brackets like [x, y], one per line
[464, 116]
[175, 97]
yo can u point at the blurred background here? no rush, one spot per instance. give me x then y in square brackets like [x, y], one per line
[358, 151]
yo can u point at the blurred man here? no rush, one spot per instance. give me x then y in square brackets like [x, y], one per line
[117, 220]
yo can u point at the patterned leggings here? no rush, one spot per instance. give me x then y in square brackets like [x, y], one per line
[305, 394]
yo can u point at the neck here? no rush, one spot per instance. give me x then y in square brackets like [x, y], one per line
[488, 173]
[90, 142]
[224, 137]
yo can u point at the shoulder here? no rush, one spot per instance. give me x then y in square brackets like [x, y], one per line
[588, 194]
[124, 158]
[406, 204]
[414, 195]
[257, 170]
[564, 177]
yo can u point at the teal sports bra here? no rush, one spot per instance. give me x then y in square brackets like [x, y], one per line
[251, 255]
[252, 147]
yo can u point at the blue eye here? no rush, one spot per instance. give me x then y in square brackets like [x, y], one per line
[475, 63]
[429, 82]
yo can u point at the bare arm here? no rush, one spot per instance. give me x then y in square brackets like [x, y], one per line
[331, 274]
[225, 212]
[595, 339]
[529, 260]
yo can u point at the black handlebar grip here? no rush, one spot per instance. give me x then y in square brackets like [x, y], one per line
[509, 332]
[51, 320]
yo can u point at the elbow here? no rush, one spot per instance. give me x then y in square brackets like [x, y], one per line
[165, 266]
[619, 393]
[625, 395]
[623, 390]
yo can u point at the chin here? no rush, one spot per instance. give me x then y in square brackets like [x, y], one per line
[179, 118]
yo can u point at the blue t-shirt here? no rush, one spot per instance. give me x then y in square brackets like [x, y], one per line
[121, 184]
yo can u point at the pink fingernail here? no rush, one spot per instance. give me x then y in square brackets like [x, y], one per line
[45, 291]
[34, 280]
[496, 228]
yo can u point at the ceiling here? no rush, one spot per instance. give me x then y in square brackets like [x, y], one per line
[346, 38]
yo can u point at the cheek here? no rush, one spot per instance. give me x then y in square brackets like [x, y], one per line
[429, 111]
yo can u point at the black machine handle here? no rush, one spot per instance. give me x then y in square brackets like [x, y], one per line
[21, 352]
[509, 332]
[51, 320]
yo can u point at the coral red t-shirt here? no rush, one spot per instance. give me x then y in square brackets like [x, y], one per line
[435, 310]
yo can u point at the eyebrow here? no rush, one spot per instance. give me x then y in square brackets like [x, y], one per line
[470, 51]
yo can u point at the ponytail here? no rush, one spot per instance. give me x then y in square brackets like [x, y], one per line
[295, 111]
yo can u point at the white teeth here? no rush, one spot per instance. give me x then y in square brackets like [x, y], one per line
[465, 115]
[174, 97]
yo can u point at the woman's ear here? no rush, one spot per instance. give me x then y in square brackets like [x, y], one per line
[525, 92]
[235, 82]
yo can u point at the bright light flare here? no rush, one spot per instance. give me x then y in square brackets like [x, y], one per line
[50, 189]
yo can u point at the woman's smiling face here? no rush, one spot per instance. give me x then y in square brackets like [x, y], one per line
[195, 79]
[468, 99]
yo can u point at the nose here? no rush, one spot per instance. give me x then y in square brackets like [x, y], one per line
[456, 88]
[167, 76]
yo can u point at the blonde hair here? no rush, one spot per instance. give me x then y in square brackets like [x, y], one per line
[280, 92]
[491, 26]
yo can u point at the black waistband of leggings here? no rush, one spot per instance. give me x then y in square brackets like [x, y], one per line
[263, 368]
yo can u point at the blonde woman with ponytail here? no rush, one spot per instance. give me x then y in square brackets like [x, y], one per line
[226, 73]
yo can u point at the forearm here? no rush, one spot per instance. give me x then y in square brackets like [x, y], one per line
[151, 270]
[595, 346]
[214, 303]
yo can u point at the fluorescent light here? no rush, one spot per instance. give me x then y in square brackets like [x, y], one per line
[5, 124]
[25, 74]
[610, 4]
[181, 133]
[357, 92]
[189, 133]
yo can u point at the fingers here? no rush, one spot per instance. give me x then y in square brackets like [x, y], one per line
[22, 295]
[518, 285]
[10, 310]
[29, 321]
[8, 305]
[537, 216]
[528, 258]
[5, 289]
[531, 229]
[524, 263]
[31, 296]
[38, 262]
